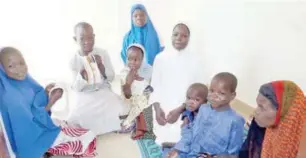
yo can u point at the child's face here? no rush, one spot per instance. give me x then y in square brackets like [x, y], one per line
[180, 37]
[139, 18]
[85, 38]
[134, 58]
[219, 93]
[194, 99]
[15, 66]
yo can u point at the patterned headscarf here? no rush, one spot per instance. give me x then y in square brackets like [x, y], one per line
[283, 139]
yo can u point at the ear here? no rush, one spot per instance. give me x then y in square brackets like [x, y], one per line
[233, 96]
[74, 38]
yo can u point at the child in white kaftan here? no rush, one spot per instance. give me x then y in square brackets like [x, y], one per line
[97, 108]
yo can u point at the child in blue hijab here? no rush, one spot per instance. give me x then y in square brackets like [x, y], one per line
[24, 110]
[142, 32]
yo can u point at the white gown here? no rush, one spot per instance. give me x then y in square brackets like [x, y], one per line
[173, 72]
[96, 106]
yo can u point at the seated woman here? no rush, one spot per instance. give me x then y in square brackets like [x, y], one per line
[24, 110]
[278, 122]
[142, 32]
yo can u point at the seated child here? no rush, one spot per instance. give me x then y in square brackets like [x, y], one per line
[196, 96]
[97, 107]
[135, 81]
[217, 128]
[25, 105]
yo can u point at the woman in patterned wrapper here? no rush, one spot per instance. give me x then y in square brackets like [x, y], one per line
[277, 127]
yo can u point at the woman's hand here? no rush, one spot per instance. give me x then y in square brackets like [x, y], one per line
[160, 114]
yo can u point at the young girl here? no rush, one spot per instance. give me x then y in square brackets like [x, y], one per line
[135, 80]
[142, 32]
[24, 105]
[97, 108]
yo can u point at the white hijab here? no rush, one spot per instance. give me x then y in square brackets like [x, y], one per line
[145, 69]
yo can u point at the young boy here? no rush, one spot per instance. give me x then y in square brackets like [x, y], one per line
[97, 107]
[195, 97]
[135, 81]
[217, 129]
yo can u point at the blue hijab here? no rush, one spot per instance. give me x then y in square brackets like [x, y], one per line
[29, 127]
[145, 35]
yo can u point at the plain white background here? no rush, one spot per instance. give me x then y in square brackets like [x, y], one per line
[258, 41]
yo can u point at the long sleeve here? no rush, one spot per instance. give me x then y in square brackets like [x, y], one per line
[156, 81]
[78, 82]
[109, 69]
[185, 142]
[236, 136]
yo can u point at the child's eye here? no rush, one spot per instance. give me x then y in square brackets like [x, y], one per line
[197, 100]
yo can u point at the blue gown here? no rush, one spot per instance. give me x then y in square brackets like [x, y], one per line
[29, 127]
[212, 132]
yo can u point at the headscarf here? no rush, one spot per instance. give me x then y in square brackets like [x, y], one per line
[283, 139]
[29, 127]
[145, 35]
[252, 146]
[145, 69]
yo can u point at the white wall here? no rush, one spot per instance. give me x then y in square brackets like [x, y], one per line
[258, 41]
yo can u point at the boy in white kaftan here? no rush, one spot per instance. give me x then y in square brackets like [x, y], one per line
[97, 108]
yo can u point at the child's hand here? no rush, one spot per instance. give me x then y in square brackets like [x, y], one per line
[55, 96]
[173, 115]
[138, 78]
[98, 59]
[100, 64]
[84, 74]
[49, 87]
[130, 77]
[172, 154]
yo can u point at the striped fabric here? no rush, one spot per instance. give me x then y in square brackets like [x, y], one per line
[75, 147]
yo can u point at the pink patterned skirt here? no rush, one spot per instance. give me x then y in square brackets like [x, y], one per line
[76, 142]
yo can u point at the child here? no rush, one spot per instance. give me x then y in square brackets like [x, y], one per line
[97, 108]
[135, 80]
[24, 106]
[195, 97]
[217, 128]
